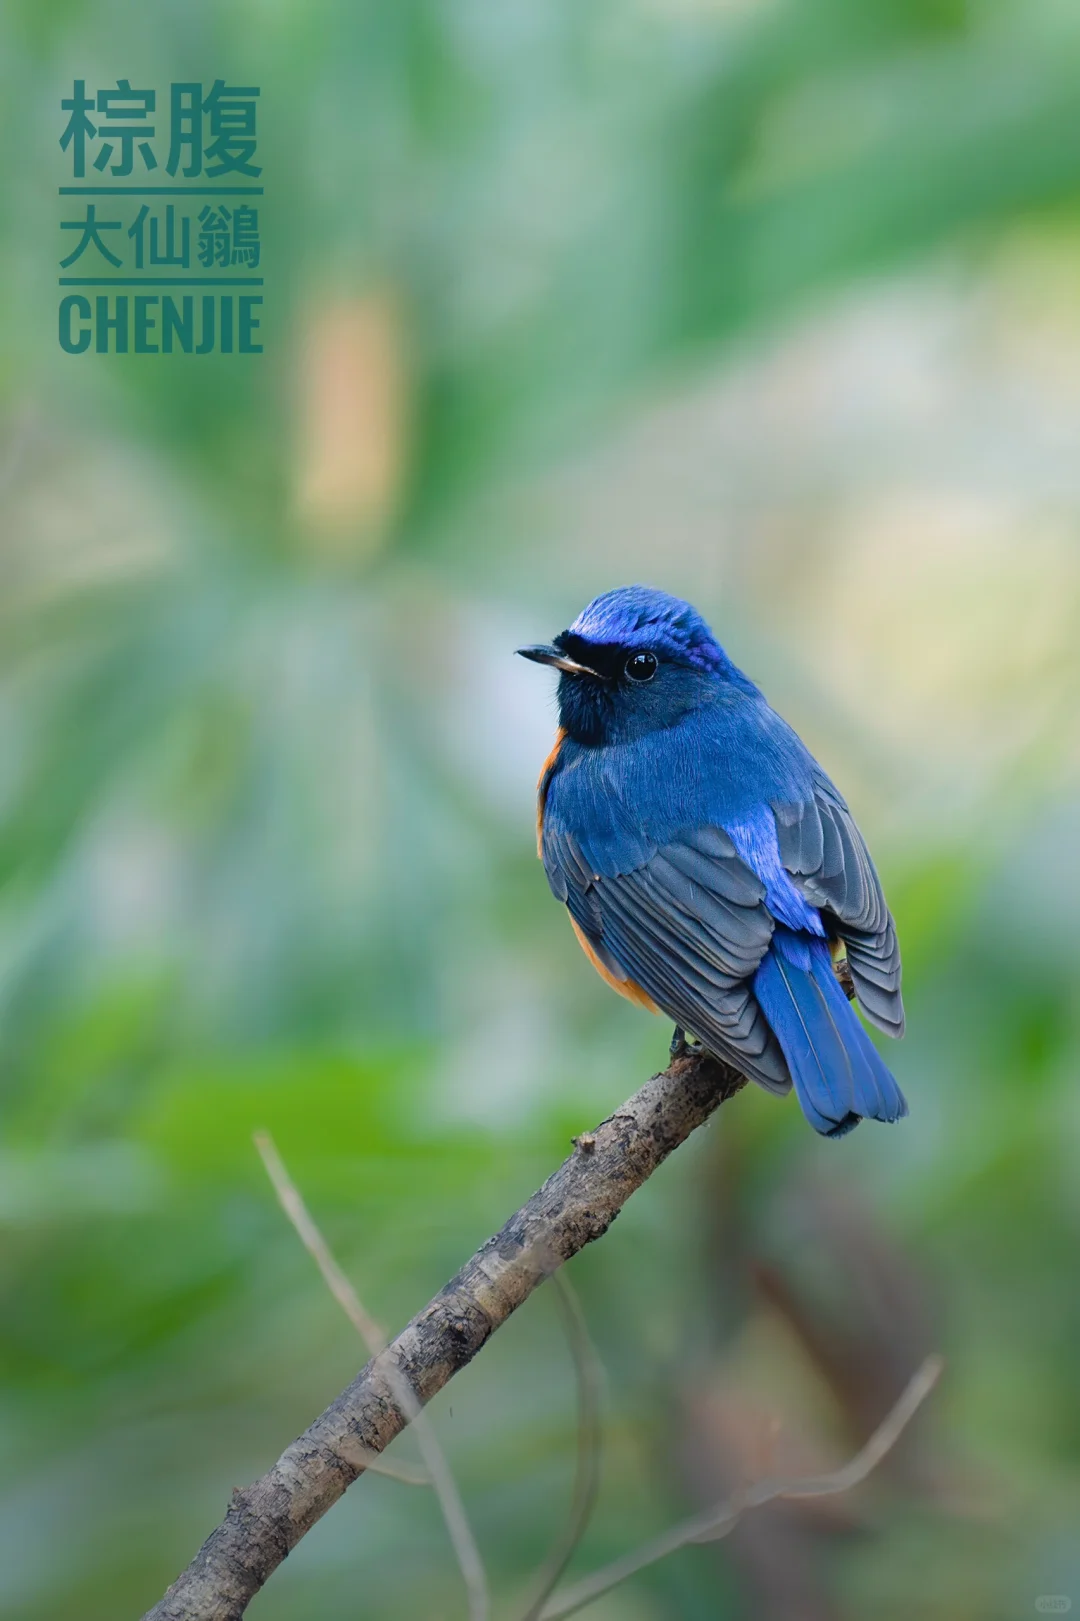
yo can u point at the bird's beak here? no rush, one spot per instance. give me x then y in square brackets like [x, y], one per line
[551, 655]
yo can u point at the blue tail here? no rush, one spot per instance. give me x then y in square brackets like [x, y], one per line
[839, 1078]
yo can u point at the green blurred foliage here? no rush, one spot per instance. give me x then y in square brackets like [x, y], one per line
[265, 843]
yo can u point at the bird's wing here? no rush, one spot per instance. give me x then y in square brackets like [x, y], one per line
[828, 861]
[688, 926]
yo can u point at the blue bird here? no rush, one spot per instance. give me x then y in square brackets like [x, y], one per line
[711, 870]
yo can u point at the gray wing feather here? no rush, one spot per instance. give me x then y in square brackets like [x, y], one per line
[690, 927]
[825, 853]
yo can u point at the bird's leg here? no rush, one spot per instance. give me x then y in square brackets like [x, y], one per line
[841, 968]
[681, 1043]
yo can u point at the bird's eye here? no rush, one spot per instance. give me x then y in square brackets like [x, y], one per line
[641, 666]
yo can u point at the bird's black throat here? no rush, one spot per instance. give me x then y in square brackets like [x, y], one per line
[610, 707]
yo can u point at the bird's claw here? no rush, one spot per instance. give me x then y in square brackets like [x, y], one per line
[678, 1042]
[682, 1044]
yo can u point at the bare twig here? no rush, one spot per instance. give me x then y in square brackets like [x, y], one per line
[715, 1522]
[409, 1474]
[576, 1205]
[587, 1475]
[439, 1475]
[371, 1332]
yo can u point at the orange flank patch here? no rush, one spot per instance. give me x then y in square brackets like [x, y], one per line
[625, 987]
[542, 787]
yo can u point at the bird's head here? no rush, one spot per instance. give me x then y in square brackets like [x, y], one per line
[634, 661]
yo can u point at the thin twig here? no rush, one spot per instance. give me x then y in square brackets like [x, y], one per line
[438, 1470]
[409, 1474]
[313, 1241]
[881, 1441]
[587, 1474]
[715, 1522]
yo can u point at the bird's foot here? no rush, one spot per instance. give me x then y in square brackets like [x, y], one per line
[842, 970]
[682, 1044]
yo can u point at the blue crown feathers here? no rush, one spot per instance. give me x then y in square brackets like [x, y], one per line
[638, 616]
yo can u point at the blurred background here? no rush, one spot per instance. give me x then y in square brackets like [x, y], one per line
[774, 304]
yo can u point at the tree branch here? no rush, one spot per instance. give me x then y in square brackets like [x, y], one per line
[576, 1205]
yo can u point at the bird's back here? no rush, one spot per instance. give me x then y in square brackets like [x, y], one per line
[722, 764]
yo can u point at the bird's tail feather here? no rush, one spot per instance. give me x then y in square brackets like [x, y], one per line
[839, 1077]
